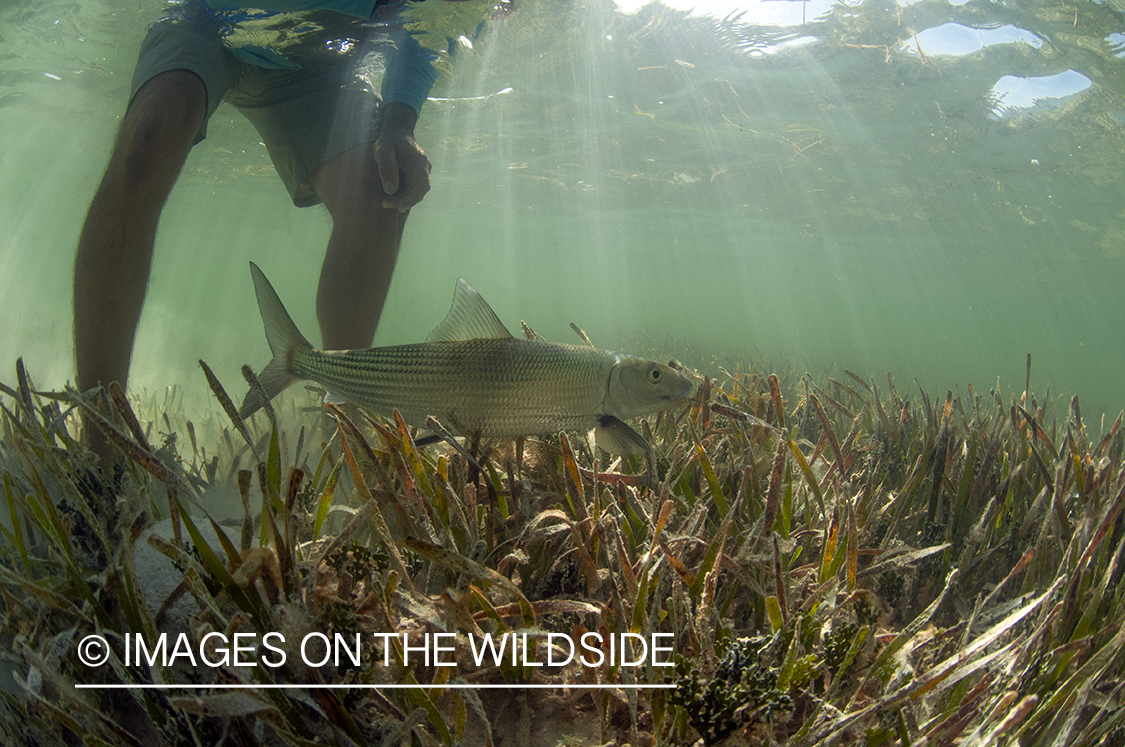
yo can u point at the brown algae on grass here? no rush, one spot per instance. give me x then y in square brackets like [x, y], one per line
[818, 565]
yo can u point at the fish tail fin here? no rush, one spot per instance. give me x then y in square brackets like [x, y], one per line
[285, 341]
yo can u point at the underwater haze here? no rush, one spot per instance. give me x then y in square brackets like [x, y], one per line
[931, 189]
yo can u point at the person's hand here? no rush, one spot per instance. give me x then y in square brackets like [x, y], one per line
[404, 169]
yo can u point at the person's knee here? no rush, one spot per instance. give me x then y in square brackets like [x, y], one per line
[349, 184]
[161, 125]
[361, 209]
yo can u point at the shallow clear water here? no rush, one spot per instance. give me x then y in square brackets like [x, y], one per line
[931, 189]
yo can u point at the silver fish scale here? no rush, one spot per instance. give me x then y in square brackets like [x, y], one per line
[500, 387]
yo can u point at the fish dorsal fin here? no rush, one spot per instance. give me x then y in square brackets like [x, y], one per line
[470, 318]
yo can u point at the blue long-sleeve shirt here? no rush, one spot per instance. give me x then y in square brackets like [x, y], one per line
[410, 74]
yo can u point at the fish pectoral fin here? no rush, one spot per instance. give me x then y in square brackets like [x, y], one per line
[614, 436]
[470, 318]
[333, 399]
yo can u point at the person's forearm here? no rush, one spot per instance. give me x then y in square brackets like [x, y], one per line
[410, 73]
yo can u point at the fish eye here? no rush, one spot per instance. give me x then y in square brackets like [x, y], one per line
[654, 375]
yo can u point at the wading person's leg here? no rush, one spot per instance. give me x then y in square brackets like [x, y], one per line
[361, 253]
[368, 190]
[111, 269]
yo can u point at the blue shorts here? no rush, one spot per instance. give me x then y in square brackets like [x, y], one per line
[305, 116]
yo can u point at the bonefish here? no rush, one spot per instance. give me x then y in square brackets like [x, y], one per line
[473, 375]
